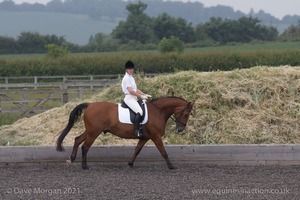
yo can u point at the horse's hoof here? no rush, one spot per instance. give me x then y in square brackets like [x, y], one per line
[85, 168]
[69, 162]
[130, 164]
[172, 167]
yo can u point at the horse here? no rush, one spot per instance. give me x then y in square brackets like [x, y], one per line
[103, 117]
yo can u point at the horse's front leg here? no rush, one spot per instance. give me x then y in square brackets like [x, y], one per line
[137, 150]
[160, 146]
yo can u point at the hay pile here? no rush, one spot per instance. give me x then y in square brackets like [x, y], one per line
[250, 106]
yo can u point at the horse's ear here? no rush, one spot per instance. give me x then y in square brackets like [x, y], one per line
[192, 103]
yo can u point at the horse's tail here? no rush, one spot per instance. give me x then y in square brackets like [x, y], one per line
[74, 117]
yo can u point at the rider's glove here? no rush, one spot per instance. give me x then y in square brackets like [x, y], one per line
[144, 97]
[148, 96]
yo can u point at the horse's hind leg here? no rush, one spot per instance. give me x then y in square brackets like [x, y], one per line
[160, 146]
[78, 140]
[137, 150]
[85, 148]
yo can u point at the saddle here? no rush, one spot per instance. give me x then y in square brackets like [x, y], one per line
[126, 115]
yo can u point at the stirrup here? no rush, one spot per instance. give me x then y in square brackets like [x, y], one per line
[139, 133]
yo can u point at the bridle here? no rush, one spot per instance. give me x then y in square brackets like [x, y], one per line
[177, 120]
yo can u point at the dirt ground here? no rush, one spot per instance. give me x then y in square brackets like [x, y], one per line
[152, 180]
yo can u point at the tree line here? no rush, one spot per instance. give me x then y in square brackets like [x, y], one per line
[140, 31]
[194, 12]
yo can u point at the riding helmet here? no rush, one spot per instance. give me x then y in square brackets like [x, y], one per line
[129, 65]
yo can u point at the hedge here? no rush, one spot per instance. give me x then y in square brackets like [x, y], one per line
[148, 62]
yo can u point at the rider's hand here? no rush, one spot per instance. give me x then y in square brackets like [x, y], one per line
[143, 97]
[148, 96]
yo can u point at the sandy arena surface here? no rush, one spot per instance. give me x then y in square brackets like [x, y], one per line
[152, 180]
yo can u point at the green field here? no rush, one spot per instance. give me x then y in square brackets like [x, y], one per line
[76, 28]
[259, 46]
[199, 59]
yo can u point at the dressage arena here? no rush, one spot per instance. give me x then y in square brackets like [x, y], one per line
[203, 172]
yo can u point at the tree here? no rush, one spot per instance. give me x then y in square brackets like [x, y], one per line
[173, 44]
[8, 45]
[292, 33]
[245, 29]
[138, 26]
[30, 42]
[101, 42]
[166, 26]
[55, 51]
[8, 5]
[200, 32]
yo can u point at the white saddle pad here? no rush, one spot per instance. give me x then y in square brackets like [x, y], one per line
[124, 115]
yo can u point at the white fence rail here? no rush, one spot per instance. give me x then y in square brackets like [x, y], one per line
[30, 95]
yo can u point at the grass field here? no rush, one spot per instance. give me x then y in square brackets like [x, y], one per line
[272, 46]
[265, 46]
[74, 27]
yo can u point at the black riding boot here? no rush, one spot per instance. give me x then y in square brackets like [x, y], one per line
[137, 126]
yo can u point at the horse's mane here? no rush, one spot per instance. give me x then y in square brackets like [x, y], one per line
[173, 97]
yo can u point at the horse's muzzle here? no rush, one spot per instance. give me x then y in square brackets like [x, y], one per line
[180, 128]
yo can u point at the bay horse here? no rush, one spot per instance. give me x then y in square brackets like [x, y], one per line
[103, 117]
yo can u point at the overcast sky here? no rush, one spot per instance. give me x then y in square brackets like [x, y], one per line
[277, 8]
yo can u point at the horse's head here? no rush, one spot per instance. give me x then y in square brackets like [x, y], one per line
[182, 116]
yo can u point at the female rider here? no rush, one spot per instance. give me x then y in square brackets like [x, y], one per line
[132, 93]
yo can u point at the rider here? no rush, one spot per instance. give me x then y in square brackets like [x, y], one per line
[132, 93]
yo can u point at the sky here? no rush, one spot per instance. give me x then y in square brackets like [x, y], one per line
[277, 8]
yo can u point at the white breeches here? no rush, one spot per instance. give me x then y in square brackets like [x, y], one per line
[131, 101]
